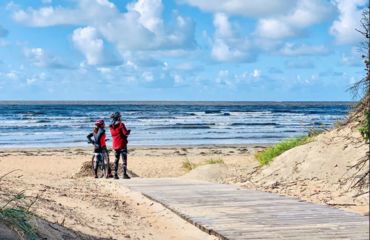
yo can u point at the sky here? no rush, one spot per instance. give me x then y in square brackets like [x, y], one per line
[185, 50]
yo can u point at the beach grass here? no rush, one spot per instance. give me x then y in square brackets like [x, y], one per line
[267, 155]
[214, 161]
[18, 218]
[188, 165]
[364, 127]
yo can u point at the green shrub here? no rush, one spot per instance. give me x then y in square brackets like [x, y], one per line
[364, 128]
[267, 155]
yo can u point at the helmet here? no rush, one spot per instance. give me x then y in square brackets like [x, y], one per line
[99, 123]
[115, 116]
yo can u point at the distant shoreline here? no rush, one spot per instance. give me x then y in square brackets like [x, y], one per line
[210, 103]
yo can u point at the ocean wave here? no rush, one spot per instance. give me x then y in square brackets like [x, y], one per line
[185, 126]
[212, 111]
[254, 124]
[164, 123]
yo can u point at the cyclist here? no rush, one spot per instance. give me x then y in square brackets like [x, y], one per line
[98, 138]
[119, 135]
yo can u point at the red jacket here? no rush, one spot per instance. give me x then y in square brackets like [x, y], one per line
[119, 135]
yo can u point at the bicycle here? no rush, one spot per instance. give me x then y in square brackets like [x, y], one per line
[99, 161]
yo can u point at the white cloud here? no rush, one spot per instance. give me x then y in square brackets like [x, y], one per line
[352, 59]
[274, 29]
[13, 75]
[344, 28]
[259, 8]
[47, 16]
[36, 78]
[256, 73]
[306, 13]
[290, 49]
[139, 28]
[40, 58]
[232, 80]
[104, 70]
[150, 12]
[147, 76]
[87, 41]
[227, 46]
[178, 79]
[224, 78]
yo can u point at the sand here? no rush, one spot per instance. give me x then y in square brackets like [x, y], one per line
[99, 208]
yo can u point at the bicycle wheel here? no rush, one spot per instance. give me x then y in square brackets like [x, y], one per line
[101, 168]
[100, 165]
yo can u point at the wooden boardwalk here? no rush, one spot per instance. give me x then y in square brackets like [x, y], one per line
[230, 212]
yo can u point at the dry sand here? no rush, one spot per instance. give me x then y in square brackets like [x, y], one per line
[98, 208]
[102, 209]
[320, 171]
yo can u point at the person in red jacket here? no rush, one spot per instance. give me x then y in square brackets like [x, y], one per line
[119, 135]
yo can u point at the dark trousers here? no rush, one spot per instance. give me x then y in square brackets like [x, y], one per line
[117, 153]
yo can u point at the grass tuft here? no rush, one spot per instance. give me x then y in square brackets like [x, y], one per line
[188, 165]
[214, 161]
[18, 218]
[266, 156]
[364, 128]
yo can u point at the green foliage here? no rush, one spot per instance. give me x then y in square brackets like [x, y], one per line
[18, 218]
[364, 128]
[188, 165]
[18, 215]
[267, 155]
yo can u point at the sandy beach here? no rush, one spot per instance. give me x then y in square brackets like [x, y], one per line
[100, 208]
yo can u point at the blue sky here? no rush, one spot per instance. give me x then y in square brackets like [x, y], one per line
[226, 50]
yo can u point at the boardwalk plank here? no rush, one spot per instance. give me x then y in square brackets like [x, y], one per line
[233, 213]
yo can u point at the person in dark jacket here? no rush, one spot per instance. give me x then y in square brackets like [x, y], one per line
[98, 137]
[119, 136]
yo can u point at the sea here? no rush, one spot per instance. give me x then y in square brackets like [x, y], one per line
[66, 124]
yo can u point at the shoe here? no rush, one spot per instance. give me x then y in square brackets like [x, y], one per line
[116, 176]
[96, 176]
[125, 176]
[110, 175]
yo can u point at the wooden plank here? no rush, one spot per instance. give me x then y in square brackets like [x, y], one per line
[233, 213]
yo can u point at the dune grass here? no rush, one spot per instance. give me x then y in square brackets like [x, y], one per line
[214, 161]
[18, 218]
[266, 156]
[364, 127]
[16, 214]
[188, 165]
